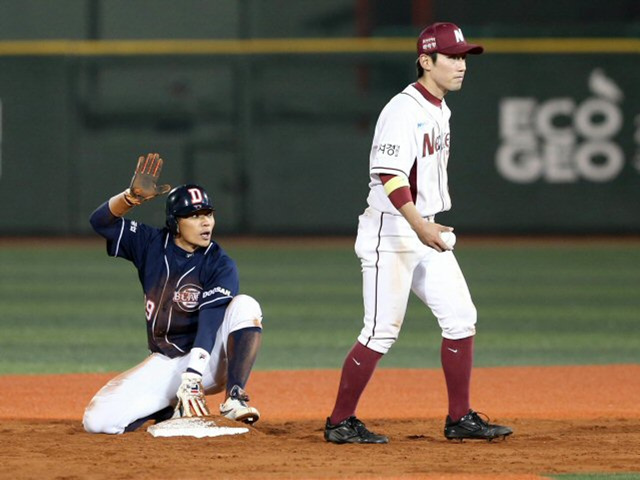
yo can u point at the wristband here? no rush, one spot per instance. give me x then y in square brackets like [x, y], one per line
[129, 199]
[198, 360]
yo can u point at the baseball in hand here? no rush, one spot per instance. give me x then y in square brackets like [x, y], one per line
[449, 238]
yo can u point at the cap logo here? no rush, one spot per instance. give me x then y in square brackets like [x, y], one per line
[429, 43]
[196, 195]
[445, 38]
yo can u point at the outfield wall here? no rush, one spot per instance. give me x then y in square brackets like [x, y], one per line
[545, 133]
[540, 141]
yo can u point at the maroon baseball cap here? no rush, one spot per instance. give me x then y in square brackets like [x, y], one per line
[445, 38]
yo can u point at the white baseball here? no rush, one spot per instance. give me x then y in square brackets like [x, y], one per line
[449, 238]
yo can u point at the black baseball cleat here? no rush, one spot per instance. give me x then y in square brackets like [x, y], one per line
[472, 426]
[351, 430]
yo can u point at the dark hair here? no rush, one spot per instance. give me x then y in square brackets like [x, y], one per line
[419, 69]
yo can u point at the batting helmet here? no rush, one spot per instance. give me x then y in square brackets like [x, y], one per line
[183, 201]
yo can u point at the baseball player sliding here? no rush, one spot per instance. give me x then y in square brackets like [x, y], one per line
[403, 249]
[203, 336]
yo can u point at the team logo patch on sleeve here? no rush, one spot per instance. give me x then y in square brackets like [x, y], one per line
[221, 290]
[187, 297]
[389, 149]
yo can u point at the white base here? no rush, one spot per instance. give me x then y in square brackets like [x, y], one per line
[192, 427]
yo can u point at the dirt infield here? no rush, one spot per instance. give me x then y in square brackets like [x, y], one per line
[566, 419]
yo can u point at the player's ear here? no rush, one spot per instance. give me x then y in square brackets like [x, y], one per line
[425, 62]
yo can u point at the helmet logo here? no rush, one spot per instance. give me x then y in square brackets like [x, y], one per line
[184, 201]
[196, 195]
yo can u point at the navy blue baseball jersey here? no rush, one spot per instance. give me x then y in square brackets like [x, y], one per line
[185, 294]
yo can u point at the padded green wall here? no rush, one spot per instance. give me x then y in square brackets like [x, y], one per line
[541, 142]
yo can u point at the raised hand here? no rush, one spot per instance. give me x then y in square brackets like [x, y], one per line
[144, 182]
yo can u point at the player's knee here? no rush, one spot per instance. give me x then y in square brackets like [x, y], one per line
[245, 312]
[380, 345]
[460, 325]
[96, 421]
[92, 423]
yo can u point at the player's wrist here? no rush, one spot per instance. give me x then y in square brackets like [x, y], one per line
[121, 203]
[198, 360]
[130, 199]
[191, 376]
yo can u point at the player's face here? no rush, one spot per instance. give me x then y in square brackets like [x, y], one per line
[195, 230]
[446, 74]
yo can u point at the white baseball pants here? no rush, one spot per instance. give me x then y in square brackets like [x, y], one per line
[394, 263]
[152, 385]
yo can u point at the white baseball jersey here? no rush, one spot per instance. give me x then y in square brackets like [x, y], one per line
[412, 139]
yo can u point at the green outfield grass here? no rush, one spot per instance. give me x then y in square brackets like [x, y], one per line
[70, 308]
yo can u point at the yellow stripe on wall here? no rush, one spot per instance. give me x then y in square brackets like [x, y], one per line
[304, 46]
[561, 45]
[204, 47]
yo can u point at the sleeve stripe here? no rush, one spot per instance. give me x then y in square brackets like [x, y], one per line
[214, 300]
[395, 183]
[389, 170]
[119, 238]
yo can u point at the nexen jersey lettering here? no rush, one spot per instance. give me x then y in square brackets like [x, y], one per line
[177, 289]
[412, 139]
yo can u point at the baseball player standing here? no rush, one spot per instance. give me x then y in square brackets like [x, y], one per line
[203, 336]
[403, 249]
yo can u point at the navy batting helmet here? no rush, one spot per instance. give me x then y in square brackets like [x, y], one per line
[183, 201]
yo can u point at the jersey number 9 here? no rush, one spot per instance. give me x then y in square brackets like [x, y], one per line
[149, 309]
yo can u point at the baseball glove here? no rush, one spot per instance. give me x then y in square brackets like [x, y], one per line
[144, 182]
[191, 401]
